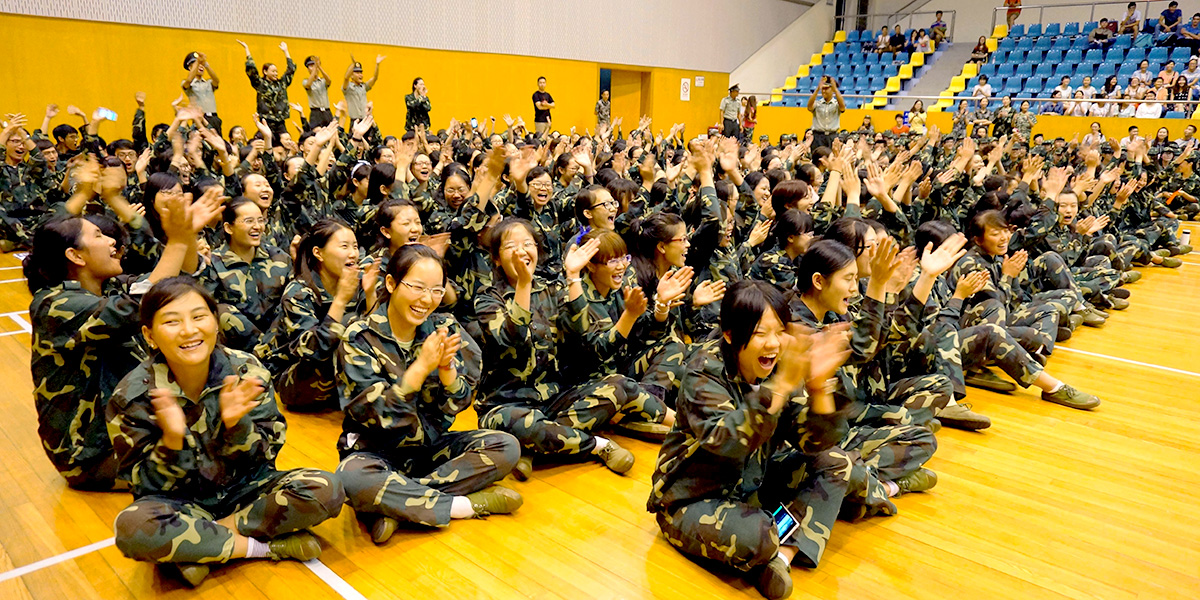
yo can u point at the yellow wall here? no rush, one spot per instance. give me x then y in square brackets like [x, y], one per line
[103, 64]
[626, 96]
[776, 120]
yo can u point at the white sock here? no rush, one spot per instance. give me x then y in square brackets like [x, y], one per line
[1055, 388]
[601, 444]
[460, 508]
[256, 549]
[893, 488]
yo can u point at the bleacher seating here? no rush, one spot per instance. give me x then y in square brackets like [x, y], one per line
[1030, 61]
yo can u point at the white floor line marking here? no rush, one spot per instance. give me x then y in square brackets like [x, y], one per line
[1132, 362]
[11, 268]
[21, 280]
[22, 322]
[54, 560]
[8, 333]
[333, 580]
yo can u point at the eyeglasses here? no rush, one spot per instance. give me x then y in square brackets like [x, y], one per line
[251, 221]
[512, 247]
[541, 185]
[609, 204]
[435, 292]
[618, 261]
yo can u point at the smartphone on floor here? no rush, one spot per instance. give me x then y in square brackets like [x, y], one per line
[785, 522]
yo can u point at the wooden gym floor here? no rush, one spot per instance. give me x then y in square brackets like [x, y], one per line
[1048, 503]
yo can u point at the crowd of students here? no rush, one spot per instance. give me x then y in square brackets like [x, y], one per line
[793, 321]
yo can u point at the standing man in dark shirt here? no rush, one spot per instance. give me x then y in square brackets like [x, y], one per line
[542, 103]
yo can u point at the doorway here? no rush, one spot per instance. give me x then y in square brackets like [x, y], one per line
[629, 93]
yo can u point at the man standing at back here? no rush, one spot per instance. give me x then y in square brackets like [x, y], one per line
[542, 103]
[827, 113]
[729, 112]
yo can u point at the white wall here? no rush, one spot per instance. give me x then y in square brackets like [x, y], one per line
[777, 60]
[709, 35]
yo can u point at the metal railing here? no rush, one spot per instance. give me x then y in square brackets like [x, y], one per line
[993, 101]
[872, 22]
[1072, 12]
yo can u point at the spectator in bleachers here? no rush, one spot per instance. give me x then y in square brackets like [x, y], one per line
[1161, 139]
[924, 43]
[1064, 88]
[1148, 110]
[1089, 91]
[1077, 106]
[1169, 74]
[937, 30]
[1160, 90]
[1132, 137]
[882, 41]
[1014, 11]
[1189, 34]
[1170, 19]
[1181, 92]
[867, 127]
[1101, 37]
[983, 89]
[1128, 108]
[897, 41]
[1024, 121]
[961, 118]
[1095, 137]
[1132, 21]
[1192, 72]
[1143, 73]
[916, 118]
[749, 118]
[827, 112]
[1003, 118]
[1100, 110]
[1111, 88]
[981, 119]
[603, 110]
[1055, 105]
[980, 53]
[901, 127]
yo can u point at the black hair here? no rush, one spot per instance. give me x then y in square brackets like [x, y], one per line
[116, 145]
[980, 221]
[308, 266]
[560, 163]
[46, 265]
[932, 232]
[607, 175]
[826, 257]
[754, 178]
[155, 183]
[787, 194]
[742, 308]
[494, 239]
[229, 213]
[646, 234]
[382, 175]
[61, 132]
[375, 153]
[788, 223]
[776, 176]
[851, 232]
[536, 172]
[414, 83]
[167, 291]
[451, 170]
[585, 200]
[385, 215]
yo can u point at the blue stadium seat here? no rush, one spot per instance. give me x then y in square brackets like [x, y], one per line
[1043, 44]
[1159, 54]
[988, 69]
[878, 82]
[1013, 58]
[1064, 69]
[1079, 43]
[845, 71]
[1017, 31]
[901, 58]
[1154, 67]
[816, 71]
[1005, 70]
[891, 70]
[875, 70]
[872, 59]
[1007, 44]
[886, 58]
[997, 83]
[1033, 86]
[1175, 114]
[1052, 29]
[1034, 30]
[1094, 56]
[862, 83]
[1077, 81]
[1085, 69]
[854, 36]
[1061, 44]
[1045, 69]
[1072, 29]
[1123, 41]
[1025, 45]
[1181, 55]
[1118, 55]
[1052, 58]
[1127, 69]
[1106, 70]
[1025, 70]
[1088, 27]
[1074, 56]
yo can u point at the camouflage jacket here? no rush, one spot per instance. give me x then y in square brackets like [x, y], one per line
[215, 461]
[304, 328]
[82, 346]
[601, 351]
[272, 95]
[305, 200]
[552, 230]
[1007, 290]
[468, 264]
[775, 267]
[381, 414]
[523, 345]
[24, 190]
[253, 289]
[867, 336]
[724, 436]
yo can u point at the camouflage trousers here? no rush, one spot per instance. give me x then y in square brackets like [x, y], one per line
[1034, 324]
[1096, 277]
[237, 330]
[741, 533]
[563, 427]
[420, 486]
[661, 369]
[878, 454]
[98, 476]
[164, 529]
[909, 400]
[308, 385]
[982, 345]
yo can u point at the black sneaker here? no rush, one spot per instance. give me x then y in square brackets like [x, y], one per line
[774, 579]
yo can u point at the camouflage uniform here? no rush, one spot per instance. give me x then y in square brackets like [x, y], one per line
[219, 471]
[775, 267]
[305, 200]
[247, 294]
[272, 97]
[301, 346]
[549, 223]
[999, 302]
[468, 264]
[524, 391]
[23, 192]
[728, 463]
[72, 330]
[399, 457]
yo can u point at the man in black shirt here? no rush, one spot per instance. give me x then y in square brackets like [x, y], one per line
[542, 103]
[896, 42]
